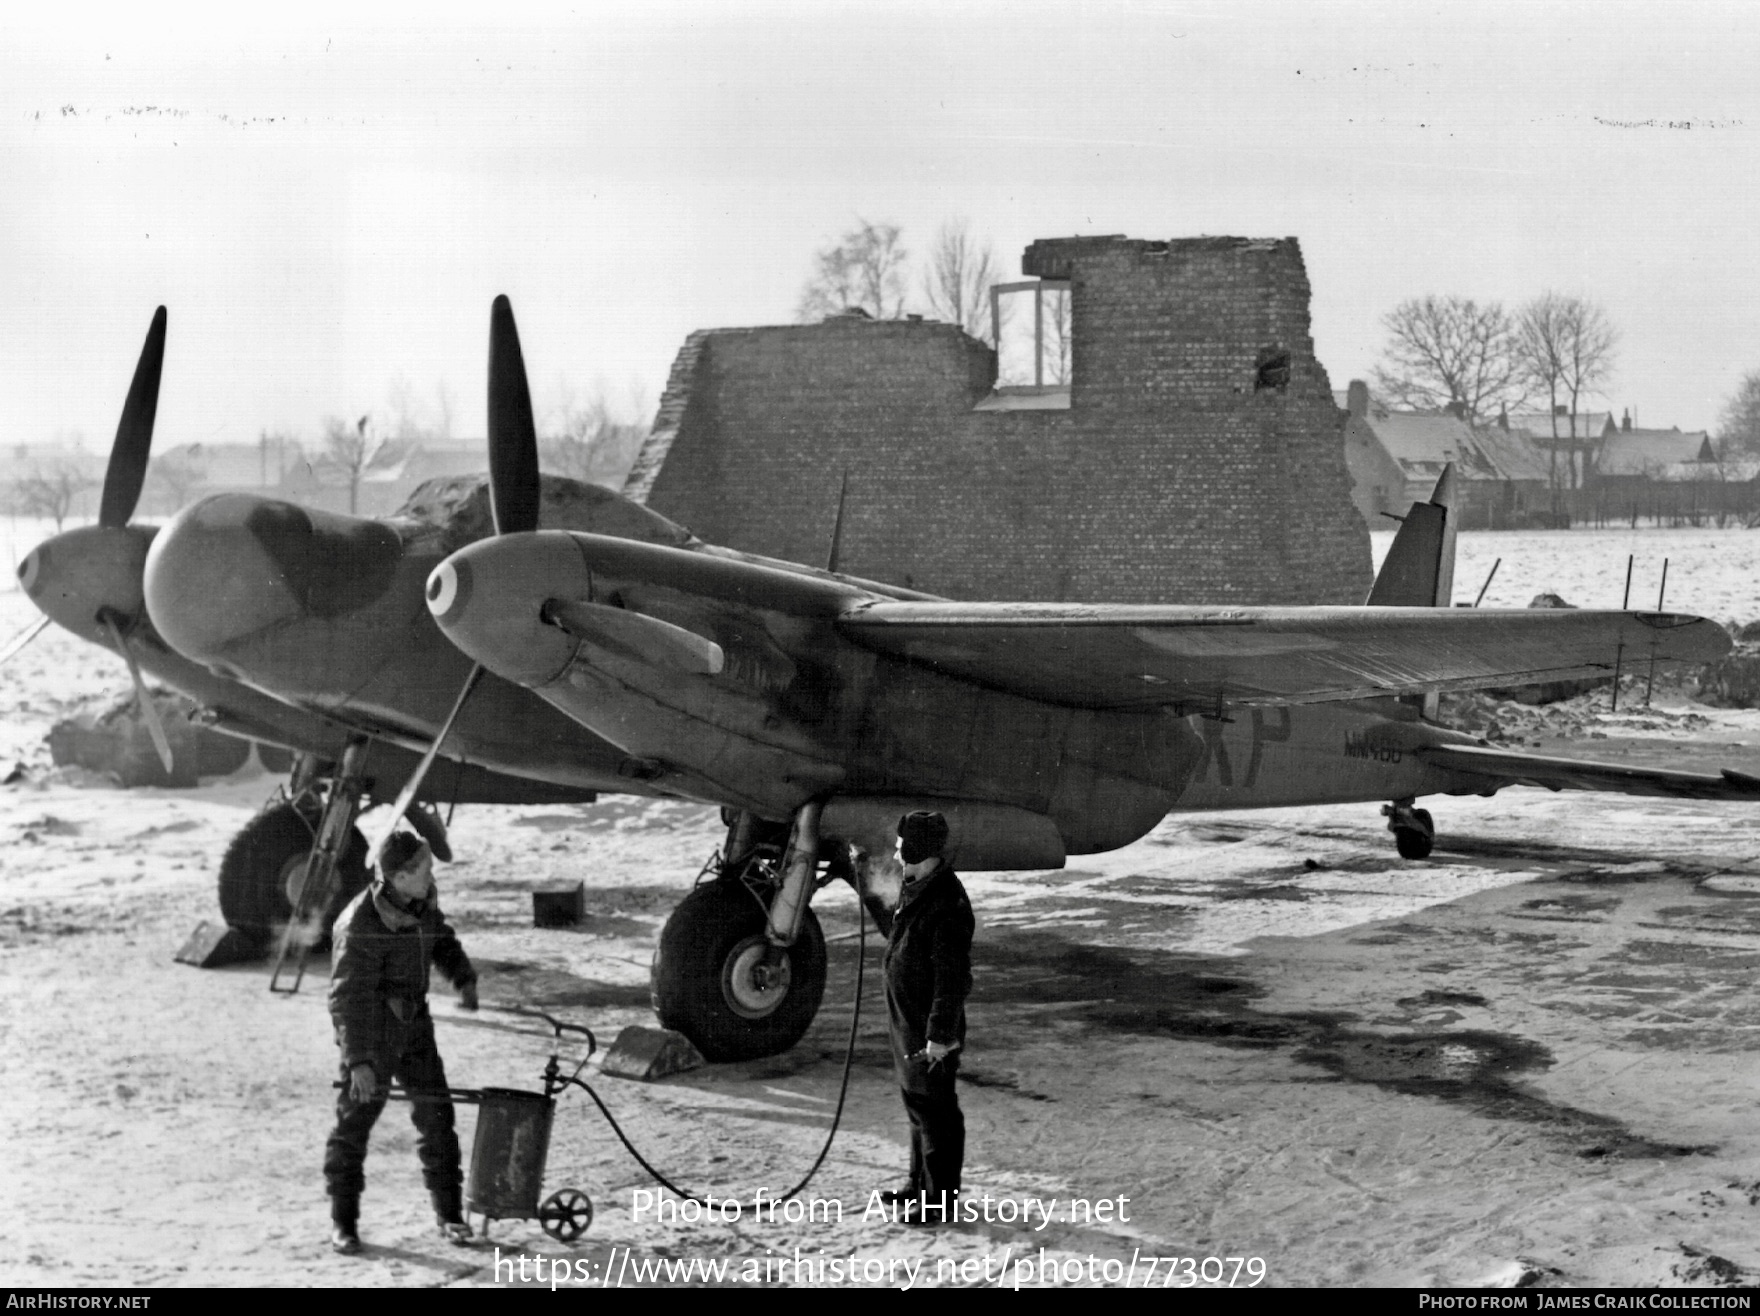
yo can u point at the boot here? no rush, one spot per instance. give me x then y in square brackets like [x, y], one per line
[449, 1215]
[456, 1232]
[345, 1216]
[345, 1239]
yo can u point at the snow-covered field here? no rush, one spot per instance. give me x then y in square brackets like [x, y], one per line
[1715, 573]
[1533, 1058]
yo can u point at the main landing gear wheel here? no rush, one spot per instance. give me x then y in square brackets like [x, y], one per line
[263, 867]
[1416, 838]
[566, 1215]
[712, 980]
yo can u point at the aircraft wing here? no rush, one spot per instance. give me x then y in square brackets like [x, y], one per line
[1135, 656]
[1512, 768]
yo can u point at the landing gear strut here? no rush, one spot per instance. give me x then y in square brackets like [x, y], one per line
[740, 967]
[316, 889]
[1414, 832]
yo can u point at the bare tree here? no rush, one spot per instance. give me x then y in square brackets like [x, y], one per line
[574, 429]
[350, 451]
[589, 438]
[1738, 430]
[1057, 336]
[49, 487]
[1565, 346]
[957, 283]
[864, 271]
[1444, 351]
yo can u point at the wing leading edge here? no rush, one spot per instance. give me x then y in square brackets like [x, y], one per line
[1127, 656]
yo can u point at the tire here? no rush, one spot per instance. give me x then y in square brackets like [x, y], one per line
[715, 934]
[257, 866]
[1416, 842]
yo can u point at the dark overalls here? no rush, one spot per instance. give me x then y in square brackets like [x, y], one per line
[928, 976]
[379, 1005]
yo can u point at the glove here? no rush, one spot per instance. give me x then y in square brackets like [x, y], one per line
[363, 1084]
[467, 996]
[936, 1052]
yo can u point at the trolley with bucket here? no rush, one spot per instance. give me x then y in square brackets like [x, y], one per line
[512, 1143]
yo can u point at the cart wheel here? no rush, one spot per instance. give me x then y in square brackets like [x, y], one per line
[566, 1215]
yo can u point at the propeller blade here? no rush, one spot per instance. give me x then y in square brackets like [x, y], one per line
[414, 784]
[645, 639]
[23, 638]
[513, 436]
[134, 434]
[143, 701]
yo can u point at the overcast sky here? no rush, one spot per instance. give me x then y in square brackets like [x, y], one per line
[329, 208]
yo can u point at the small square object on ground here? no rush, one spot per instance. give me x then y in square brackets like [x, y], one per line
[559, 906]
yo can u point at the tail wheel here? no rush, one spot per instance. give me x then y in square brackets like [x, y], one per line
[1416, 842]
[713, 980]
[264, 865]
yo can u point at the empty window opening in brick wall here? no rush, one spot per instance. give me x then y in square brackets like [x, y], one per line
[1030, 327]
[1272, 370]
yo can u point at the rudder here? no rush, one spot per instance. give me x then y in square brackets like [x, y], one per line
[1418, 571]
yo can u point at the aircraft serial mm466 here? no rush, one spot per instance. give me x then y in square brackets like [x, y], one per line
[816, 708]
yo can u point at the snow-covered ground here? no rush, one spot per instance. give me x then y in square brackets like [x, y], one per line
[1715, 573]
[1533, 1057]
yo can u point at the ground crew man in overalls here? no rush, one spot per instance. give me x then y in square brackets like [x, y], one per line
[928, 976]
[382, 946]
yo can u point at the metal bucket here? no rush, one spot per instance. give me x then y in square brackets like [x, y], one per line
[507, 1158]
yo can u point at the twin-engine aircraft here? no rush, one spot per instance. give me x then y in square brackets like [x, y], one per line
[813, 706]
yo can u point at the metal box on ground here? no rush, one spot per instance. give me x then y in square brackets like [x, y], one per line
[559, 906]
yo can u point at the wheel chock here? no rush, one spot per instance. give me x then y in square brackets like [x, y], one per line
[650, 1054]
[559, 906]
[214, 945]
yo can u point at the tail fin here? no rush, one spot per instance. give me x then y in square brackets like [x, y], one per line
[1418, 571]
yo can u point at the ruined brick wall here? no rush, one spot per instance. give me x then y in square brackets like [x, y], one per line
[1172, 477]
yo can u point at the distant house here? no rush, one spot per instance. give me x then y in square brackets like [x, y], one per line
[1396, 457]
[1564, 440]
[1629, 457]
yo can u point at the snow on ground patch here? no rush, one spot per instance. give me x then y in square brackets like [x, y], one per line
[1220, 897]
[1715, 573]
